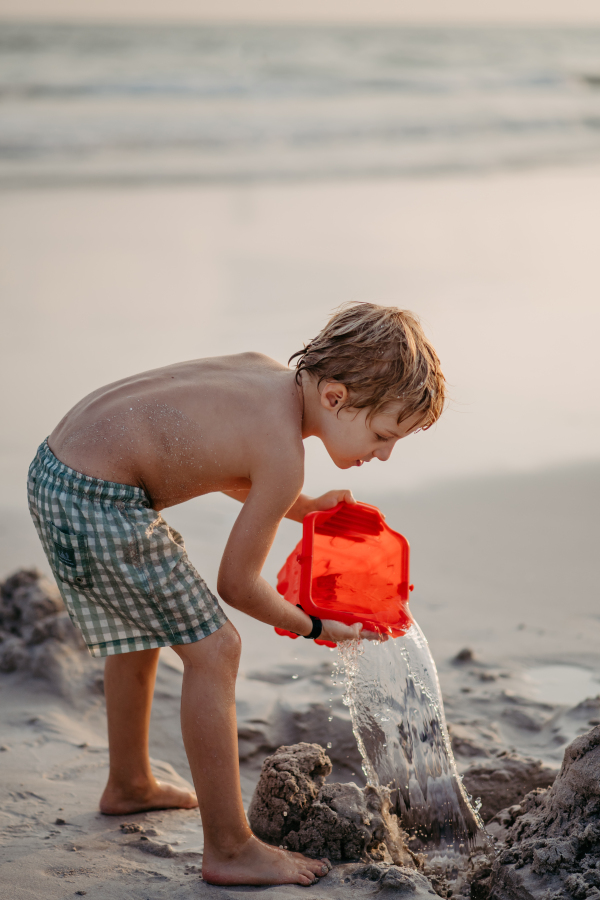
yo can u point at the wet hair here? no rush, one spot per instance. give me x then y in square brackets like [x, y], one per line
[382, 356]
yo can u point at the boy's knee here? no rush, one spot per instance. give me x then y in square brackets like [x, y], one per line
[223, 646]
[231, 642]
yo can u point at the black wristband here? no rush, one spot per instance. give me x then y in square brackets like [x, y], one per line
[316, 629]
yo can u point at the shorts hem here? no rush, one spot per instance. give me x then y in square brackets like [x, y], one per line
[143, 642]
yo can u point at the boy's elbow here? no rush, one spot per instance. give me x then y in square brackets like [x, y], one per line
[230, 590]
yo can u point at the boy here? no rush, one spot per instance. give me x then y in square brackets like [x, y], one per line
[233, 424]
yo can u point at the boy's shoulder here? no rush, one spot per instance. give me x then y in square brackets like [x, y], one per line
[234, 361]
[258, 381]
[261, 418]
[265, 402]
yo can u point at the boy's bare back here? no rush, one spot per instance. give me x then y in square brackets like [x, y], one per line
[219, 424]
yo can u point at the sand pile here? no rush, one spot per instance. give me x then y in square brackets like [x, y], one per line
[504, 781]
[294, 808]
[552, 845]
[37, 635]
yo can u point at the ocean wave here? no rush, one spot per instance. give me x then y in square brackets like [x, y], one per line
[322, 99]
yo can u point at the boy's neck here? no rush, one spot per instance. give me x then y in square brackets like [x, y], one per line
[310, 400]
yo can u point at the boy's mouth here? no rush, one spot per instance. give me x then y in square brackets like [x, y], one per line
[359, 462]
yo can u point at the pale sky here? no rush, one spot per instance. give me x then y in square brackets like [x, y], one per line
[426, 11]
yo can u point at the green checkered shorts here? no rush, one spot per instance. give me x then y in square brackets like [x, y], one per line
[122, 571]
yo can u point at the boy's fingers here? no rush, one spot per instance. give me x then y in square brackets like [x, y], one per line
[332, 498]
[373, 636]
[329, 500]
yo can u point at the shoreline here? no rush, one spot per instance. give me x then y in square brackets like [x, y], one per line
[107, 182]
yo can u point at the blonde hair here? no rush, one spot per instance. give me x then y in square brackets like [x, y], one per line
[382, 356]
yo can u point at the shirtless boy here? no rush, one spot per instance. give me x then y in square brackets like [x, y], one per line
[233, 424]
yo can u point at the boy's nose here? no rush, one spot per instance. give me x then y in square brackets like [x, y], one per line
[382, 454]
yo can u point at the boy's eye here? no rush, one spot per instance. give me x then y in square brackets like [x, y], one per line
[380, 437]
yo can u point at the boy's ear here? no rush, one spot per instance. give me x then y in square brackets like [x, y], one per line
[333, 395]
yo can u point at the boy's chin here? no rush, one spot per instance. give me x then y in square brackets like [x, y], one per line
[345, 464]
[341, 462]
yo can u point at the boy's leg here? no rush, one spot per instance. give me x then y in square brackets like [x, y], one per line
[128, 686]
[232, 854]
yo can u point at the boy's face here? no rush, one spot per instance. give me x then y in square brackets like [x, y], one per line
[352, 439]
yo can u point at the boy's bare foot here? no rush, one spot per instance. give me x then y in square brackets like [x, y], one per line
[258, 863]
[156, 795]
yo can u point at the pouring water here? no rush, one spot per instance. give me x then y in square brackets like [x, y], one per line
[394, 698]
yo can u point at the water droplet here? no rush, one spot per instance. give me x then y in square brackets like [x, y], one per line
[294, 677]
[285, 813]
[329, 745]
[330, 718]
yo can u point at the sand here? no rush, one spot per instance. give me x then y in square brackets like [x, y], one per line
[54, 763]
[293, 807]
[552, 845]
[498, 501]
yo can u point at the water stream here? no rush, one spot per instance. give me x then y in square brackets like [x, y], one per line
[394, 698]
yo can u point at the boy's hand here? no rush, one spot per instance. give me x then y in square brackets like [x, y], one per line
[305, 505]
[337, 631]
[328, 500]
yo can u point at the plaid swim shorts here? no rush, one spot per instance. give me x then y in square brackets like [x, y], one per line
[122, 571]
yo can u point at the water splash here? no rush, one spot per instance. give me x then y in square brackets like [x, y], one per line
[395, 701]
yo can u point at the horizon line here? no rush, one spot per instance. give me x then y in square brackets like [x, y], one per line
[185, 19]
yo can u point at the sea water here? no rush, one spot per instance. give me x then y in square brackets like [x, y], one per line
[101, 102]
[395, 701]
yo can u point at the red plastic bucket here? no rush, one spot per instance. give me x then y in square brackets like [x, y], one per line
[350, 566]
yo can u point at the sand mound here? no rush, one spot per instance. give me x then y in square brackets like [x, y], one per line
[358, 880]
[36, 633]
[505, 780]
[289, 784]
[294, 808]
[553, 847]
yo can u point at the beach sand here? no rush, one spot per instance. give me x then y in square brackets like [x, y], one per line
[497, 501]
[476, 546]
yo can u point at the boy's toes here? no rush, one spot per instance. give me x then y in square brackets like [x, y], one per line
[319, 867]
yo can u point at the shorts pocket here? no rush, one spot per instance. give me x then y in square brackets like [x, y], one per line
[70, 556]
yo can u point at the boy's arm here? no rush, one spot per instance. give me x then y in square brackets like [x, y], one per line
[303, 504]
[275, 489]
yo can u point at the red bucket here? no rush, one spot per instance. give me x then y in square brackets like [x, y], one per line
[351, 567]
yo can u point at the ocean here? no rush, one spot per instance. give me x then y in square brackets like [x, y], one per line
[213, 103]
